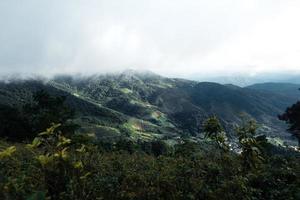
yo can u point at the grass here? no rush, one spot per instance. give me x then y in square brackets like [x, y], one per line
[140, 129]
[276, 141]
[126, 90]
[161, 118]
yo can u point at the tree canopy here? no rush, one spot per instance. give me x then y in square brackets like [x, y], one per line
[26, 121]
[292, 117]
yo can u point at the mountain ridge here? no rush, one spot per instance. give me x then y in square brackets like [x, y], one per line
[151, 106]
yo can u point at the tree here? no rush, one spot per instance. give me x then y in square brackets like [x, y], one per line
[45, 110]
[186, 148]
[154, 147]
[292, 117]
[214, 130]
[250, 144]
[25, 122]
[12, 124]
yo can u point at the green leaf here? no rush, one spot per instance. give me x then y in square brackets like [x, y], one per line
[35, 143]
[51, 130]
[37, 196]
[7, 152]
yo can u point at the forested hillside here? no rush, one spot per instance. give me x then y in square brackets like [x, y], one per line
[147, 106]
[284, 89]
[142, 136]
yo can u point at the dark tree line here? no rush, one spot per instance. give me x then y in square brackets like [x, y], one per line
[25, 122]
[292, 117]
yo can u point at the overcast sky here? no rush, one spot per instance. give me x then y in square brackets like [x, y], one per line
[170, 37]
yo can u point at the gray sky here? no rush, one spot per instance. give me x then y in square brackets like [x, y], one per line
[170, 37]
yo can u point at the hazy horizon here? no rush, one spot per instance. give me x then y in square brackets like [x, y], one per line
[191, 39]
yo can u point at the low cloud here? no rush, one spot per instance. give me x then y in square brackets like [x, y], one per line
[176, 38]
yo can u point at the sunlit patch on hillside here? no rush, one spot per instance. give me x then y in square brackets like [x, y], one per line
[126, 91]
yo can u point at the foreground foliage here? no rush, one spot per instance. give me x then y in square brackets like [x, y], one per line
[56, 167]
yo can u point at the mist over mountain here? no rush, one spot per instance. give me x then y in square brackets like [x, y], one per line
[148, 105]
[247, 79]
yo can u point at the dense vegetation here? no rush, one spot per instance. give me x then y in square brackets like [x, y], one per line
[292, 117]
[153, 107]
[22, 123]
[45, 155]
[58, 167]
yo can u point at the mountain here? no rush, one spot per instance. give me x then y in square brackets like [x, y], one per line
[247, 79]
[144, 105]
[285, 89]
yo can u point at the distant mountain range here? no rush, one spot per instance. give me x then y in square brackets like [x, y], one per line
[144, 105]
[244, 80]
